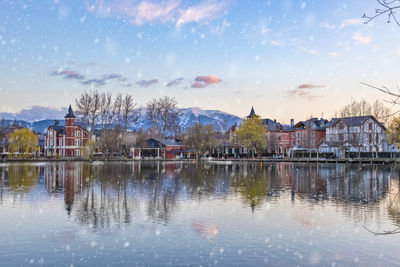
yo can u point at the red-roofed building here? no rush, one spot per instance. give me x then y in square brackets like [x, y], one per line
[66, 141]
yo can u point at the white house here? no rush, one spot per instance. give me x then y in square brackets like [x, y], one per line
[355, 134]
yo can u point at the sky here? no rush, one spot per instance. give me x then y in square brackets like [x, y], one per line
[287, 58]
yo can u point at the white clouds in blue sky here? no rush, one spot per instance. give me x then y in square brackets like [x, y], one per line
[263, 49]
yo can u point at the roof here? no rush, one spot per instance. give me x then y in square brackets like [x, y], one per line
[70, 113]
[353, 121]
[154, 143]
[252, 113]
[273, 125]
[170, 142]
[312, 124]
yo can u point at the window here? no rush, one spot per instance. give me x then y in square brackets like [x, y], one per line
[341, 137]
[341, 126]
[370, 126]
[292, 135]
[51, 133]
[312, 134]
[293, 142]
[77, 134]
[377, 138]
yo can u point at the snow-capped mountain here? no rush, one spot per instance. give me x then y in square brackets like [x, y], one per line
[40, 118]
[221, 121]
[36, 113]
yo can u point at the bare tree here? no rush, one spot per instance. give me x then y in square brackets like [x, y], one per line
[89, 105]
[200, 137]
[363, 108]
[388, 8]
[84, 103]
[164, 114]
[106, 105]
[129, 111]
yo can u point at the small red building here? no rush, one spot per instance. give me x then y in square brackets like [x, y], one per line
[66, 141]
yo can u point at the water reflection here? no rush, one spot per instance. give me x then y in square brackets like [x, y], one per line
[100, 195]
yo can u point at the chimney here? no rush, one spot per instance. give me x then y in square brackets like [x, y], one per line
[292, 122]
[274, 120]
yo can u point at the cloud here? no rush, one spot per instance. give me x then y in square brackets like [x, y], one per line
[303, 91]
[68, 74]
[95, 82]
[148, 11]
[309, 51]
[111, 76]
[334, 54]
[200, 13]
[175, 82]
[309, 86]
[361, 39]
[147, 83]
[204, 81]
[349, 22]
[101, 81]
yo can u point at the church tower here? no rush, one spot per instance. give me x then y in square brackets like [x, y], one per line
[252, 113]
[69, 131]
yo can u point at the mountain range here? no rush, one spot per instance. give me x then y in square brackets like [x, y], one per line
[39, 118]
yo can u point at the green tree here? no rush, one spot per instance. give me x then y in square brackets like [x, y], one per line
[252, 134]
[393, 131]
[202, 138]
[24, 142]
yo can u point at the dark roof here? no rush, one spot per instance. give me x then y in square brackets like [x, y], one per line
[58, 128]
[252, 113]
[70, 113]
[154, 143]
[272, 125]
[312, 124]
[353, 121]
[170, 142]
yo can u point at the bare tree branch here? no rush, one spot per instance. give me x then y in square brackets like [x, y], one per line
[389, 8]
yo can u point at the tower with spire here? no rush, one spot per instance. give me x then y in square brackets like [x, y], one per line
[65, 140]
[252, 113]
[70, 130]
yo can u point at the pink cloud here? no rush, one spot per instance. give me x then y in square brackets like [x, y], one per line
[200, 13]
[309, 86]
[303, 91]
[204, 81]
[148, 11]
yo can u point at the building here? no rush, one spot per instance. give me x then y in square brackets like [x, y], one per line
[355, 134]
[67, 140]
[169, 149]
[278, 136]
[308, 135]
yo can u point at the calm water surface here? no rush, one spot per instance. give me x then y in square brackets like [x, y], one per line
[180, 213]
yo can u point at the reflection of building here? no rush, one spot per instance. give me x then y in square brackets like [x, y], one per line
[65, 177]
[66, 141]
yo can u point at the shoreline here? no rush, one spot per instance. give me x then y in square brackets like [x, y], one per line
[261, 160]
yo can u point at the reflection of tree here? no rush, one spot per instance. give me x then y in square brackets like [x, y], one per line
[22, 178]
[105, 199]
[252, 184]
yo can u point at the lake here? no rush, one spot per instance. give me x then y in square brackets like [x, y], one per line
[189, 213]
